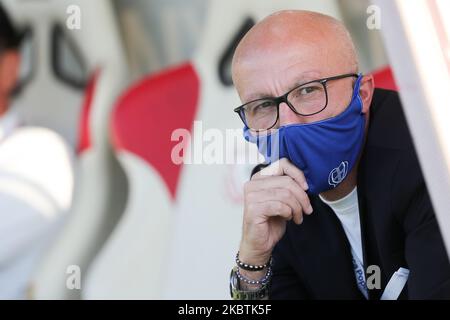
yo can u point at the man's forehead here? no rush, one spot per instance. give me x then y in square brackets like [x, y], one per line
[283, 69]
[303, 55]
[299, 56]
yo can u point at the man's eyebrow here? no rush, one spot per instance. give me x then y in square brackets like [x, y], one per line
[301, 79]
[305, 79]
[258, 96]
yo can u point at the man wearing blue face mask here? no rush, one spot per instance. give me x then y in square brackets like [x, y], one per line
[339, 152]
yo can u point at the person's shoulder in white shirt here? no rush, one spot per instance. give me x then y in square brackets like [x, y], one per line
[36, 186]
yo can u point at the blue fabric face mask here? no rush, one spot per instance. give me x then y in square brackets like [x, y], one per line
[326, 151]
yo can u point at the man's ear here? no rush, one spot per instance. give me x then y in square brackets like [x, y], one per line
[366, 92]
[9, 71]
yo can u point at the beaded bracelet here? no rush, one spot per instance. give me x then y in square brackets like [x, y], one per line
[250, 267]
[262, 281]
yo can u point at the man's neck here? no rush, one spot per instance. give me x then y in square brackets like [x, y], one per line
[344, 188]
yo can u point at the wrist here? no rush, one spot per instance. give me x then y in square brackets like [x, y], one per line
[252, 257]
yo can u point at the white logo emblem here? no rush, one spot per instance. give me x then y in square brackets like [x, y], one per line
[338, 174]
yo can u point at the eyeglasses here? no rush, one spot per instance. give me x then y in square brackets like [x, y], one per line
[307, 99]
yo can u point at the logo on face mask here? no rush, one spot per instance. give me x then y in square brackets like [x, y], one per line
[338, 174]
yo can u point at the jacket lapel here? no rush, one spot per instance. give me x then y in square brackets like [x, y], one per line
[323, 255]
[381, 235]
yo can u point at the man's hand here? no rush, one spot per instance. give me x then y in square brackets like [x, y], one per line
[272, 197]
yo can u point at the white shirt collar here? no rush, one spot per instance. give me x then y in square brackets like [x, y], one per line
[344, 204]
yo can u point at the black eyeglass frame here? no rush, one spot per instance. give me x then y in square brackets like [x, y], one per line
[283, 98]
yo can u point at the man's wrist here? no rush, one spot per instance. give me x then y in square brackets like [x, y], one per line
[254, 258]
[252, 266]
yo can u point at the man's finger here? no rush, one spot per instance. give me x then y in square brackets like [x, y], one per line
[278, 194]
[273, 209]
[280, 168]
[281, 182]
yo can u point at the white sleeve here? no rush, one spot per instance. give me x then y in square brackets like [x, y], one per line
[21, 224]
[36, 186]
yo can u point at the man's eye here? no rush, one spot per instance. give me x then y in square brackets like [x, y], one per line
[265, 104]
[307, 90]
[262, 106]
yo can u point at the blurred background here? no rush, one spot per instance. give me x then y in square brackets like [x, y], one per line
[102, 85]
